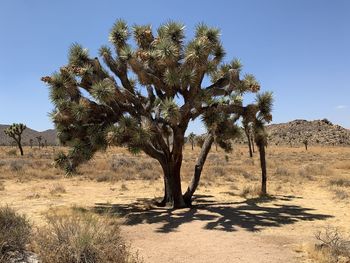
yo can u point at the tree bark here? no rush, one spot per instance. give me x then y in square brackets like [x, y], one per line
[263, 168]
[198, 169]
[172, 184]
[249, 142]
[252, 143]
[20, 148]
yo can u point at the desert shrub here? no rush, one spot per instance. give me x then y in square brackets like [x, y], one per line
[104, 177]
[144, 165]
[248, 176]
[318, 169]
[57, 189]
[121, 162]
[15, 233]
[132, 169]
[2, 163]
[12, 152]
[148, 175]
[123, 187]
[340, 194]
[217, 171]
[16, 165]
[333, 247]
[30, 155]
[250, 191]
[340, 182]
[249, 162]
[81, 238]
[343, 165]
[282, 171]
[312, 170]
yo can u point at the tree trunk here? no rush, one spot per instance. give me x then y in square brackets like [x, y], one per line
[20, 148]
[198, 169]
[192, 145]
[172, 184]
[249, 143]
[263, 168]
[252, 143]
[178, 201]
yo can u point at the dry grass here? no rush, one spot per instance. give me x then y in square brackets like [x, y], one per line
[81, 237]
[115, 176]
[288, 168]
[57, 189]
[250, 191]
[332, 246]
[15, 232]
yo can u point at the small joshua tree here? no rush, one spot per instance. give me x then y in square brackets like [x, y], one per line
[39, 138]
[200, 140]
[260, 134]
[305, 142]
[191, 138]
[152, 113]
[31, 143]
[15, 132]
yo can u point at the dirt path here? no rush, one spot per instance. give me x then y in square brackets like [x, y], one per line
[191, 242]
[239, 231]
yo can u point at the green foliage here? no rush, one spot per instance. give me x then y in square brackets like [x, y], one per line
[119, 33]
[172, 31]
[78, 55]
[15, 130]
[166, 51]
[265, 103]
[170, 111]
[103, 91]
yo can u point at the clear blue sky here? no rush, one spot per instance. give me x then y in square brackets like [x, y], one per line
[299, 49]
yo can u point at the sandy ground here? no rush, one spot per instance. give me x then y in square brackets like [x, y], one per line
[221, 227]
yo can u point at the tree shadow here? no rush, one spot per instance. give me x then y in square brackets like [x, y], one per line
[251, 214]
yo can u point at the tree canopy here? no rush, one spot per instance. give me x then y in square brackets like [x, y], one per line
[142, 94]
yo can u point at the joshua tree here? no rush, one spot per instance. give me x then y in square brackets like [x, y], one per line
[39, 138]
[260, 134]
[305, 142]
[31, 143]
[45, 143]
[191, 138]
[15, 132]
[138, 114]
[200, 140]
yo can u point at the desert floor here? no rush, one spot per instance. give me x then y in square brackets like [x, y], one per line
[309, 190]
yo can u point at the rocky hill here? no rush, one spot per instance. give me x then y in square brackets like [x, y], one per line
[321, 132]
[49, 135]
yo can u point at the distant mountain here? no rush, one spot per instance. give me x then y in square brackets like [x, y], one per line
[49, 135]
[321, 132]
